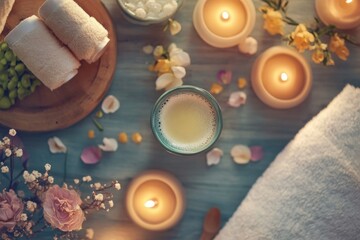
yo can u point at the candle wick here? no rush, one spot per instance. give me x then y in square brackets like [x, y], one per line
[284, 77]
[348, 1]
[225, 15]
[152, 203]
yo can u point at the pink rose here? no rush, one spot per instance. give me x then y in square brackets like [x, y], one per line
[11, 208]
[62, 209]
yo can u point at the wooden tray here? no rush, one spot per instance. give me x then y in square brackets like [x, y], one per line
[45, 110]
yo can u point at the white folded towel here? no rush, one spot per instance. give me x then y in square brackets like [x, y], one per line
[312, 189]
[5, 9]
[42, 53]
[83, 34]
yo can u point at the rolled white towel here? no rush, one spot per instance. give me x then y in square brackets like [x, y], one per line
[42, 53]
[5, 9]
[83, 34]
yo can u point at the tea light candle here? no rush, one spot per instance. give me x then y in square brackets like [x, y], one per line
[281, 77]
[344, 14]
[224, 23]
[155, 200]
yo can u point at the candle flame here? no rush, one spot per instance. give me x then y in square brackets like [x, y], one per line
[348, 1]
[151, 203]
[284, 77]
[225, 15]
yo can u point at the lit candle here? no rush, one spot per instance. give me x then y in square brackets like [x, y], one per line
[344, 14]
[224, 23]
[281, 77]
[155, 200]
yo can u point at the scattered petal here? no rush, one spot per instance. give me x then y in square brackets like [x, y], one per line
[90, 233]
[158, 51]
[179, 72]
[91, 134]
[99, 114]
[148, 49]
[172, 47]
[162, 66]
[137, 138]
[214, 156]
[12, 132]
[242, 83]
[179, 58]
[176, 83]
[257, 153]
[224, 77]
[123, 137]
[241, 154]
[110, 104]
[56, 145]
[109, 145]
[175, 27]
[164, 80]
[216, 88]
[91, 155]
[249, 46]
[237, 99]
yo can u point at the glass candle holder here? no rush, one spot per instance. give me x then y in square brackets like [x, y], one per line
[186, 120]
[152, 12]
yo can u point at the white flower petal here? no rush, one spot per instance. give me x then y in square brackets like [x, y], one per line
[148, 49]
[164, 80]
[241, 154]
[110, 104]
[56, 145]
[176, 83]
[175, 27]
[179, 58]
[172, 47]
[249, 46]
[109, 145]
[237, 99]
[214, 156]
[179, 72]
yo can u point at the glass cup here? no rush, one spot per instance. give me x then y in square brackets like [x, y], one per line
[130, 15]
[186, 120]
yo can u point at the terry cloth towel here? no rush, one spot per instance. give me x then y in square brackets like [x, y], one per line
[42, 53]
[83, 34]
[312, 189]
[5, 9]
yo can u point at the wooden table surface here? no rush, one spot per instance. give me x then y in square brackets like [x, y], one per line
[223, 186]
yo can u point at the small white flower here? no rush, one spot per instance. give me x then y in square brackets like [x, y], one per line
[179, 58]
[117, 186]
[241, 154]
[6, 140]
[174, 27]
[76, 181]
[110, 104]
[214, 156]
[90, 233]
[97, 185]
[51, 179]
[4, 169]
[23, 217]
[12, 132]
[111, 203]
[158, 51]
[87, 179]
[237, 99]
[249, 46]
[148, 49]
[37, 174]
[31, 206]
[109, 145]
[102, 205]
[47, 167]
[8, 152]
[179, 72]
[19, 152]
[56, 145]
[99, 197]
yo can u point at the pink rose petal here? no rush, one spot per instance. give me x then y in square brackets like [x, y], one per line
[224, 77]
[237, 99]
[257, 153]
[91, 155]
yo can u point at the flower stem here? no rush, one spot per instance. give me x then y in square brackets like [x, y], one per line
[65, 167]
[11, 172]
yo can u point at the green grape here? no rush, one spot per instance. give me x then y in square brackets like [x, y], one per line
[1, 92]
[25, 81]
[20, 68]
[3, 61]
[5, 103]
[9, 56]
[13, 94]
[4, 46]
[12, 85]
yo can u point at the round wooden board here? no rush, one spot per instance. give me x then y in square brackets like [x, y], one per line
[45, 110]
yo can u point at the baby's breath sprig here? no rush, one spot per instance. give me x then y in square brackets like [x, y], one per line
[306, 37]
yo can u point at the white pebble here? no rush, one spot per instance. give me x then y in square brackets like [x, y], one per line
[130, 6]
[140, 12]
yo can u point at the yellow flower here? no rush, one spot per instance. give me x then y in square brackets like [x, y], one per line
[337, 45]
[302, 38]
[318, 56]
[273, 23]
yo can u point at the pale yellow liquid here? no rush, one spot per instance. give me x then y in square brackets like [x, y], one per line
[188, 121]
